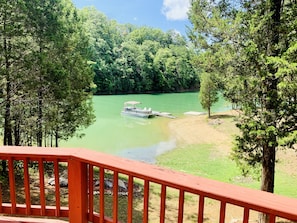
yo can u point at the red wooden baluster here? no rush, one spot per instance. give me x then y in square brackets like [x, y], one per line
[115, 196]
[27, 186]
[146, 201]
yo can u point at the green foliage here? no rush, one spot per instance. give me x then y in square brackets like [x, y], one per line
[44, 72]
[208, 92]
[131, 59]
[252, 46]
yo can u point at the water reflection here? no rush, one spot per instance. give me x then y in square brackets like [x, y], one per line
[131, 122]
[148, 154]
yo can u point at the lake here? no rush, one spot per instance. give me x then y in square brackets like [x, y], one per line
[137, 138]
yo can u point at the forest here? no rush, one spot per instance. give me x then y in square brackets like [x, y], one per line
[54, 57]
[131, 59]
[45, 77]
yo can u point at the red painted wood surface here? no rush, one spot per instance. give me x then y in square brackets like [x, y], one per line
[181, 206]
[27, 187]
[91, 191]
[101, 197]
[146, 201]
[130, 199]
[246, 215]
[57, 187]
[77, 189]
[41, 186]
[115, 196]
[201, 209]
[7, 219]
[81, 164]
[163, 204]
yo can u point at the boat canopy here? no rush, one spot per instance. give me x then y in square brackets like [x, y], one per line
[132, 103]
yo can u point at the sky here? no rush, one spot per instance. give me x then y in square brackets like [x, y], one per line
[163, 14]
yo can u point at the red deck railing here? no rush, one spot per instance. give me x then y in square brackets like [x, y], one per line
[86, 169]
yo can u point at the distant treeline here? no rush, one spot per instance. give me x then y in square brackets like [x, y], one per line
[54, 56]
[130, 59]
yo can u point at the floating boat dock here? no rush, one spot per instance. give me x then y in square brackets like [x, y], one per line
[194, 113]
[163, 114]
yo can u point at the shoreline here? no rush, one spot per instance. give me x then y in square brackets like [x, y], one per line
[199, 129]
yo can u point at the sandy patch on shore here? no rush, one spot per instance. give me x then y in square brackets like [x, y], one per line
[219, 130]
[190, 130]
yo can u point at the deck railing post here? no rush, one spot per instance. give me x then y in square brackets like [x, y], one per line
[85, 207]
[78, 193]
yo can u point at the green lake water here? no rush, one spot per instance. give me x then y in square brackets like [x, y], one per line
[136, 138]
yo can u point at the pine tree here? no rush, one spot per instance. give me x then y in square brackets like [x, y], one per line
[257, 44]
[208, 93]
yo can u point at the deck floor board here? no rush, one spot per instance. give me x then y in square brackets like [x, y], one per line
[7, 219]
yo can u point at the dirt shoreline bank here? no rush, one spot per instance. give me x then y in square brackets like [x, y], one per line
[190, 130]
[220, 130]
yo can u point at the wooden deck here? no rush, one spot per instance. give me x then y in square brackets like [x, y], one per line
[6, 219]
[84, 166]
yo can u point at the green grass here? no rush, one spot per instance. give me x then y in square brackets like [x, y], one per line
[200, 160]
[285, 184]
[206, 161]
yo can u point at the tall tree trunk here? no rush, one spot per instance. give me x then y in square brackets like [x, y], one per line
[7, 116]
[7, 123]
[268, 172]
[271, 100]
[57, 138]
[39, 120]
[271, 104]
[51, 139]
[40, 97]
[17, 134]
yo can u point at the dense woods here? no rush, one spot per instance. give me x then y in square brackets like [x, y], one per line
[53, 57]
[44, 76]
[249, 47]
[130, 59]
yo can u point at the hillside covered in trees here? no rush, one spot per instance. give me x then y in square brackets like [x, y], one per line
[54, 57]
[130, 59]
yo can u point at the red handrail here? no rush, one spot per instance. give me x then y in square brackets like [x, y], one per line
[81, 166]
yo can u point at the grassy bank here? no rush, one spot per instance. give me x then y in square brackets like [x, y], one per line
[208, 161]
[205, 161]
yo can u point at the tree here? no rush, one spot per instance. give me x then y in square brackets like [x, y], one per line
[257, 41]
[174, 70]
[45, 30]
[13, 52]
[71, 79]
[208, 93]
[44, 74]
[124, 57]
[141, 34]
[149, 49]
[105, 36]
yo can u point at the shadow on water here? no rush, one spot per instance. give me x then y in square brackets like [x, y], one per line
[131, 121]
[148, 154]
